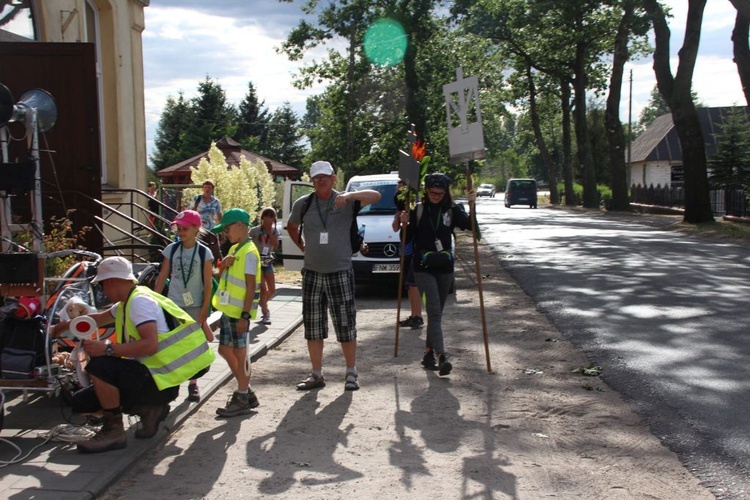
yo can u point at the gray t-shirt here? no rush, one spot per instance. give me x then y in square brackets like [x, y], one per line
[323, 217]
[261, 240]
[186, 273]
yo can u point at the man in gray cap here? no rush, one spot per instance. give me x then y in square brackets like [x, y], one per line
[327, 276]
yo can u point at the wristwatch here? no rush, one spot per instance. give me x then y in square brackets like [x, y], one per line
[245, 315]
[108, 348]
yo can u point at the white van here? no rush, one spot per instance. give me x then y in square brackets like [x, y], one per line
[382, 261]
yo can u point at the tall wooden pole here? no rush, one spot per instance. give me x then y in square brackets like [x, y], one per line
[401, 271]
[472, 217]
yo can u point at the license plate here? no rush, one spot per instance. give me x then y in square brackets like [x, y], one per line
[385, 268]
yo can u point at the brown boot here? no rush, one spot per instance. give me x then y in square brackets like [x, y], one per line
[151, 417]
[110, 437]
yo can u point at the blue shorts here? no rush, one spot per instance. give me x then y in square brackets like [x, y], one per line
[267, 269]
[334, 292]
[228, 333]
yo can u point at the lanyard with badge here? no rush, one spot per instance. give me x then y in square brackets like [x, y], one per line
[187, 297]
[438, 243]
[324, 233]
[223, 293]
[265, 239]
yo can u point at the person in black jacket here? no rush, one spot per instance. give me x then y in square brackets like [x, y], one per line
[431, 226]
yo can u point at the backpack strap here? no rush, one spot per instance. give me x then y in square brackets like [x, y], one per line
[305, 206]
[174, 251]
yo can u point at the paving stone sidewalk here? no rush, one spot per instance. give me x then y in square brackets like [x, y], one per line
[55, 470]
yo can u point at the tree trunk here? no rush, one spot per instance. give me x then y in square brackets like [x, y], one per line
[567, 142]
[413, 13]
[615, 135]
[540, 142]
[741, 51]
[350, 104]
[580, 82]
[676, 91]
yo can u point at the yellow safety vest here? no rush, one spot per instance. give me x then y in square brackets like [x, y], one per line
[182, 352]
[233, 282]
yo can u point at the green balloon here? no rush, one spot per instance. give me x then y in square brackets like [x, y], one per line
[385, 42]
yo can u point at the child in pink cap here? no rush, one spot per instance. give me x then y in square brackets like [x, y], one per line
[188, 264]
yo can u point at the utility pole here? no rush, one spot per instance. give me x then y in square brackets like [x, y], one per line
[630, 127]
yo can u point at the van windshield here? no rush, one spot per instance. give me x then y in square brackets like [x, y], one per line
[387, 191]
[523, 184]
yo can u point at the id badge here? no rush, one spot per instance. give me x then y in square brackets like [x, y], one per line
[224, 298]
[266, 250]
[324, 238]
[187, 299]
[438, 245]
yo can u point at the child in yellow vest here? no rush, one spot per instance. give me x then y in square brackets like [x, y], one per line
[237, 299]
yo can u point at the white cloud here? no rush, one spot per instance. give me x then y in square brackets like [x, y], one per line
[183, 46]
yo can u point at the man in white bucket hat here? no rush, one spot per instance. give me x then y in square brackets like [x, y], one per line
[140, 373]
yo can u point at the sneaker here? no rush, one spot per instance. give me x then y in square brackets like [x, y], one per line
[445, 366]
[111, 436]
[406, 322]
[151, 417]
[312, 382]
[266, 319]
[429, 361]
[417, 322]
[194, 394]
[238, 404]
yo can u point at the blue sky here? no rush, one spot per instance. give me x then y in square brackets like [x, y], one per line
[234, 42]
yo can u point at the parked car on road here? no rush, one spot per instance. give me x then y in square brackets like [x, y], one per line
[486, 190]
[520, 192]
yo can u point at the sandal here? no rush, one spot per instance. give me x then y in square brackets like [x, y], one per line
[351, 383]
[312, 382]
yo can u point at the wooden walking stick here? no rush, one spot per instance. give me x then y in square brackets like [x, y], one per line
[408, 173]
[401, 272]
[466, 143]
[472, 217]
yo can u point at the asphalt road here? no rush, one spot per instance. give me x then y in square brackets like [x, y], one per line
[665, 315]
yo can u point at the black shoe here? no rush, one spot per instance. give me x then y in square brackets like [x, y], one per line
[252, 399]
[429, 361]
[417, 322]
[445, 365]
[194, 394]
[407, 322]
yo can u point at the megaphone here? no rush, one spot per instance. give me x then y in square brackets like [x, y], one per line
[39, 99]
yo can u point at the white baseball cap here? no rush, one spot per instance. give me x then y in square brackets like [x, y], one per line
[320, 167]
[114, 267]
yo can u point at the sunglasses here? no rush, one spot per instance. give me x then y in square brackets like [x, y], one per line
[321, 178]
[435, 193]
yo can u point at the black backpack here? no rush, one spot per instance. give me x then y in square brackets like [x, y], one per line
[355, 239]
